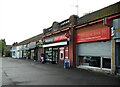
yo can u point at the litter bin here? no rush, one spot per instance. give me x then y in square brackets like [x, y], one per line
[66, 63]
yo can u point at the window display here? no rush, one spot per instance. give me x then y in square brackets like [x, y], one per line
[48, 54]
[94, 61]
[90, 61]
[106, 63]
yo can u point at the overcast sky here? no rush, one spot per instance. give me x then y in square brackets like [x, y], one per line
[22, 19]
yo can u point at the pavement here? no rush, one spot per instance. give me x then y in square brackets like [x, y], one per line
[29, 72]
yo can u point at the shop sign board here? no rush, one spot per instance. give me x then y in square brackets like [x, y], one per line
[49, 40]
[94, 33]
[60, 38]
[32, 45]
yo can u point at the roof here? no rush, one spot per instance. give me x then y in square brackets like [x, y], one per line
[34, 38]
[107, 11]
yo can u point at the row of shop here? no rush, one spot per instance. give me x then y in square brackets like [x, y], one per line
[53, 52]
[90, 42]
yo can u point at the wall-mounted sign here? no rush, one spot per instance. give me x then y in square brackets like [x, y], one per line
[32, 45]
[60, 38]
[107, 21]
[93, 33]
[49, 40]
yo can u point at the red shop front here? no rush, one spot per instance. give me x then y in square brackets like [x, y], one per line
[56, 49]
[94, 46]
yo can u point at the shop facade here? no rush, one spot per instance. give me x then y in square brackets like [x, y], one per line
[23, 51]
[39, 50]
[94, 47]
[55, 47]
[14, 51]
[98, 46]
[31, 51]
[116, 27]
[90, 42]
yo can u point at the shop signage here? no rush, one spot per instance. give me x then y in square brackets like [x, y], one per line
[107, 22]
[32, 45]
[94, 33]
[60, 38]
[49, 39]
[56, 44]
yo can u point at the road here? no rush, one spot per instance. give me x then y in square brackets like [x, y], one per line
[0, 71]
[28, 72]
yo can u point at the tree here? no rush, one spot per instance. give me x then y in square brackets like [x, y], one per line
[2, 47]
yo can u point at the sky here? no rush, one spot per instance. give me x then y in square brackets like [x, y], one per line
[22, 19]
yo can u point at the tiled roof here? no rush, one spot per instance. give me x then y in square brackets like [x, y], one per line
[107, 11]
[34, 38]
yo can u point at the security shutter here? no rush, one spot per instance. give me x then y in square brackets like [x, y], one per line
[95, 49]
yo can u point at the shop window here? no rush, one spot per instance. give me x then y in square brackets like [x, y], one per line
[106, 63]
[95, 61]
[48, 54]
[89, 61]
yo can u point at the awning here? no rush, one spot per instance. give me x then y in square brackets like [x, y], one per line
[56, 44]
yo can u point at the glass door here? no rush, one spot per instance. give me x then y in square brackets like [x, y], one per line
[55, 55]
[48, 54]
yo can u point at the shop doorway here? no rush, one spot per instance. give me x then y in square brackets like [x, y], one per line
[32, 55]
[55, 55]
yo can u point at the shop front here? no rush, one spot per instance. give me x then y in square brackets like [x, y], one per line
[24, 51]
[31, 52]
[116, 26]
[39, 50]
[94, 47]
[54, 49]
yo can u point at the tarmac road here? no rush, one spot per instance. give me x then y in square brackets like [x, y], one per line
[28, 72]
[0, 71]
